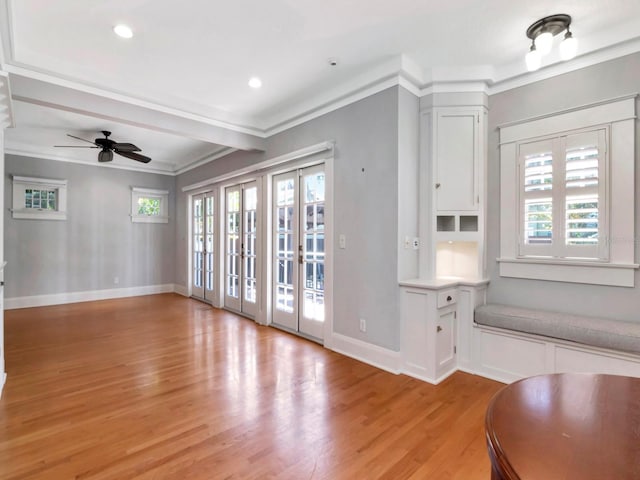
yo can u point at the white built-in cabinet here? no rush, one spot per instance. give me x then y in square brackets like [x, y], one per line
[456, 148]
[437, 308]
[455, 161]
[437, 326]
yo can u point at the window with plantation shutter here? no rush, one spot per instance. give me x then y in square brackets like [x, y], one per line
[562, 196]
[567, 195]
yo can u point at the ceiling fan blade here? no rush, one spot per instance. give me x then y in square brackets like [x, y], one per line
[73, 146]
[125, 147]
[78, 138]
[105, 156]
[134, 156]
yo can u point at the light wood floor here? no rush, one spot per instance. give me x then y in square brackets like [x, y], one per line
[166, 387]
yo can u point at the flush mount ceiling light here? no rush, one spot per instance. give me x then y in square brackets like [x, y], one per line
[123, 31]
[255, 82]
[541, 34]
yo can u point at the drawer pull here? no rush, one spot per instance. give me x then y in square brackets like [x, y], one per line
[439, 329]
[449, 298]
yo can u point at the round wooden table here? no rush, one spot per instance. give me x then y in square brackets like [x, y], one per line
[566, 426]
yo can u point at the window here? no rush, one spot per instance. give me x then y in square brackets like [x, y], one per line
[563, 197]
[567, 196]
[149, 205]
[39, 198]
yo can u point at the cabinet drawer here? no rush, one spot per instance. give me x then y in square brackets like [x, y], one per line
[447, 297]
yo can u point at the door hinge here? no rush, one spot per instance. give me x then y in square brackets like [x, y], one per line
[455, 349]
[455, 314]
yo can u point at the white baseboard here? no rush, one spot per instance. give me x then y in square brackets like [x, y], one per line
[3, 379]
[86, 296]
[181, 290]
[374, 355]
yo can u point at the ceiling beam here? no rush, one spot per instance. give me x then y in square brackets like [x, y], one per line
[60, 97]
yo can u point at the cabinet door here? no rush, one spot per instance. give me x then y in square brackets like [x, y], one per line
[456, 154]
[445, 341]
[415, 306]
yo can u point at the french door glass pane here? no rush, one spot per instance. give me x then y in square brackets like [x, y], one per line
[284, 245]
[233, 242]
[249, 241]
[198, 244]
[313, 246]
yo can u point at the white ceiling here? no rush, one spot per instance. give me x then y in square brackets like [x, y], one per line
[191, 62]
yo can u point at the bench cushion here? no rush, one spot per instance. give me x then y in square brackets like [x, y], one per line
[597, 332]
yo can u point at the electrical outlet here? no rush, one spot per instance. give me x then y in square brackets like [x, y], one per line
[416, 243]
[363, 325]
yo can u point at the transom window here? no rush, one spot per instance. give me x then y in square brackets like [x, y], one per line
[149, 205]
[39, 198]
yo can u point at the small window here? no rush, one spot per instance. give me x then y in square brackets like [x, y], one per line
[39, 198]
[149, 205]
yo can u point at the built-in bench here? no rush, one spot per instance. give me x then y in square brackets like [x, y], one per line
[512, 343]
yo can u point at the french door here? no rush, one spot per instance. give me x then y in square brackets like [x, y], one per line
[202, 246]
[299, 253]
[241, 238]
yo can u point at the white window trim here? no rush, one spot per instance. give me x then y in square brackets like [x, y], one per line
[21, 184]
[619, 270]
[163, 195]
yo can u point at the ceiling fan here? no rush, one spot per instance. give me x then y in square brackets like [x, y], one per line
[108, 147]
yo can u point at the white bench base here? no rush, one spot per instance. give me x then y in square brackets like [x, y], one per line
[507, 356]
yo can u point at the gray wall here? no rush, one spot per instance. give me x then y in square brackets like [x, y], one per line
[601, 82]
[408, 179]
[366, 204]
[97, 242]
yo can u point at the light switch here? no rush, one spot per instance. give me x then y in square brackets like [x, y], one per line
[342, 240]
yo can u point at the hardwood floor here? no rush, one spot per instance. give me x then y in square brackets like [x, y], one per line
[167, 387]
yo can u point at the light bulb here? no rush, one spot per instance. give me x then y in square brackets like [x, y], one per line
[255, 82]
[533, 59]
[123, 31]
[568, 47]
[544, 42]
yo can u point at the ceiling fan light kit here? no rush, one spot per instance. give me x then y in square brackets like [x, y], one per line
[108, 147]
[542, 33]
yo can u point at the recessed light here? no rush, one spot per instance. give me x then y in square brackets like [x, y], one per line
[123, 31]
[255, 82]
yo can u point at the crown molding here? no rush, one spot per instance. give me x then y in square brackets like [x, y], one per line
[33, 73]
[205, 159]
[6, 104]
[48, 156]
[306, 152]
[510, 80]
